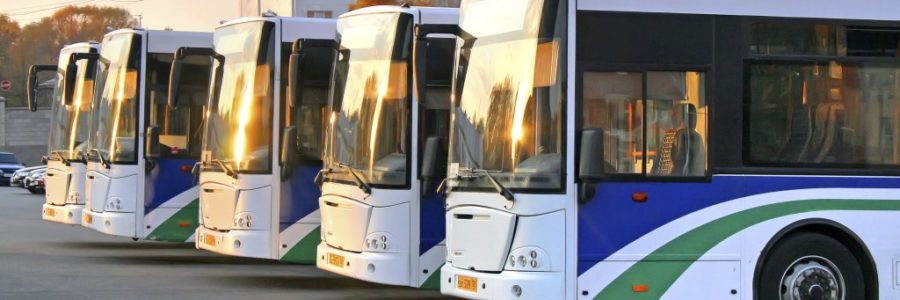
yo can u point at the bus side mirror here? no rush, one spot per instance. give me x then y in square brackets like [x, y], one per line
[295, 77]
[288, 151]
[177, 65]
[590, 163]
[152, 142]
[175, 79]
[69, 82]
[430, 160]
[31, 84]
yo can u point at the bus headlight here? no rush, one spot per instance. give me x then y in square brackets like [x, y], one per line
[243, 220]
[73, 198]
[114, 204]
[378, 242]
[528, 259]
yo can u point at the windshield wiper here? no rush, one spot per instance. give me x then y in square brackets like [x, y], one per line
[359, 181]
[506, 193]
[225, 167]
[103, 160]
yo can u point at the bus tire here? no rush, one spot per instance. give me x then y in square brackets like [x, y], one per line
[810, 266]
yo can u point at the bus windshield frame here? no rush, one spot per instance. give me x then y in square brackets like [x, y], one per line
[69, 124]
[370, 125]
[238, 131]
[116, 108]
[509, 115]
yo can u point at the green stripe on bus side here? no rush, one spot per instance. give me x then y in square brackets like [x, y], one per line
[180, 226]
[659, 273]
[433, 281]
[304, 252]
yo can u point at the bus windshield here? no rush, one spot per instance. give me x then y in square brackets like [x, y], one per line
[369, 126]
[239, 127]
[69, 123]
[509, 114]
[114, 131]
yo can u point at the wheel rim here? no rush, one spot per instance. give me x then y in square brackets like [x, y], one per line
[812, 278]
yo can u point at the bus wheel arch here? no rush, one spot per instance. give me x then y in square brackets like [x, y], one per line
[829, 228]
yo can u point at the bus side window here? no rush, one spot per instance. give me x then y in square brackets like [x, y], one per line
[180, 129]
[612, 101]
[434, 110]
[310, 114]
[662, 133]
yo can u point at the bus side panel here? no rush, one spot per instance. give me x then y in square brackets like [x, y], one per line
[680, 224]
[171, 200]
[299, 215]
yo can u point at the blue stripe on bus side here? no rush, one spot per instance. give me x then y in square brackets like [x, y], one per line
[612, 220]
[432, 213]
[299, 195]
[167, 180]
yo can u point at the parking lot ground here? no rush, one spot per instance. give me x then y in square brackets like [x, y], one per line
[45, 260]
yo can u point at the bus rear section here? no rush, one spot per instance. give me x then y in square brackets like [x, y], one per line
[710, 152]
[381, 218]
[139, 180]
[69, 125]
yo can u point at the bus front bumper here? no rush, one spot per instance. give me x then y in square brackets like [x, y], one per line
[112, 223]
[384, 268]
[244, 243]
[503, 285]
[66, 214]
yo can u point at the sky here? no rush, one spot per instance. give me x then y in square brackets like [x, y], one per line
[187, 15]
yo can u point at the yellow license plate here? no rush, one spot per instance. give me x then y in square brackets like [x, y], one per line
[209, 240]
[51, 212]
[467, 283]
[88, 219]
[336, 260]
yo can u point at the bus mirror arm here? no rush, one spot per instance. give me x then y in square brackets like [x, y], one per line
[590, 163]
[175, 70]
[71, 75]
[288, 151]
[31, 84]
[421, 56]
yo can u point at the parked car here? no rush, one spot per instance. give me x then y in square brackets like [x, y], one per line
[36, 182]
[18, 178]
[9, 164]
[31, 177]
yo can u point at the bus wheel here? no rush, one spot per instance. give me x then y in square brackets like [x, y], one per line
[810, 266]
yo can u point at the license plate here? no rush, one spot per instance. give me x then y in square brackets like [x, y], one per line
[88, 219]
[336, 260]
[209, 240]
[467, 283]
[51, 212]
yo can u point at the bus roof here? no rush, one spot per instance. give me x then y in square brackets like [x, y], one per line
[883, 10]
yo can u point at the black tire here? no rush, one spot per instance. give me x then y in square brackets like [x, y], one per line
[793, 248]
[33, 191]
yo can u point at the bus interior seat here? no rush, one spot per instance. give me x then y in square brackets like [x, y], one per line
[800, 133]
[686, 150]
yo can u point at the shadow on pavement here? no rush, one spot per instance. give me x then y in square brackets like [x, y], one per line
[311, 283]
[185, 260]
[123, 245]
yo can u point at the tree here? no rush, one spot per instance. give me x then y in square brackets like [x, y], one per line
[366, 3]
[40, 42]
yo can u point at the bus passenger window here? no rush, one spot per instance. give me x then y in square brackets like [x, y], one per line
[612, 101]
[676, 124]
[660, 133]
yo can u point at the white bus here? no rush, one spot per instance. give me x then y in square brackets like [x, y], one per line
[262, 148]
[389, 119]
[675, 149]
[69, 125]
[139, 181]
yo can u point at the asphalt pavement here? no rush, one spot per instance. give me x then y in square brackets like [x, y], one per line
[45, 260]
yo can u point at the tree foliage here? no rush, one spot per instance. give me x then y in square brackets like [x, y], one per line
[366, 3]
[40, 42]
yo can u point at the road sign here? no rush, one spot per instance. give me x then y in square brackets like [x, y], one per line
[5, 85]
